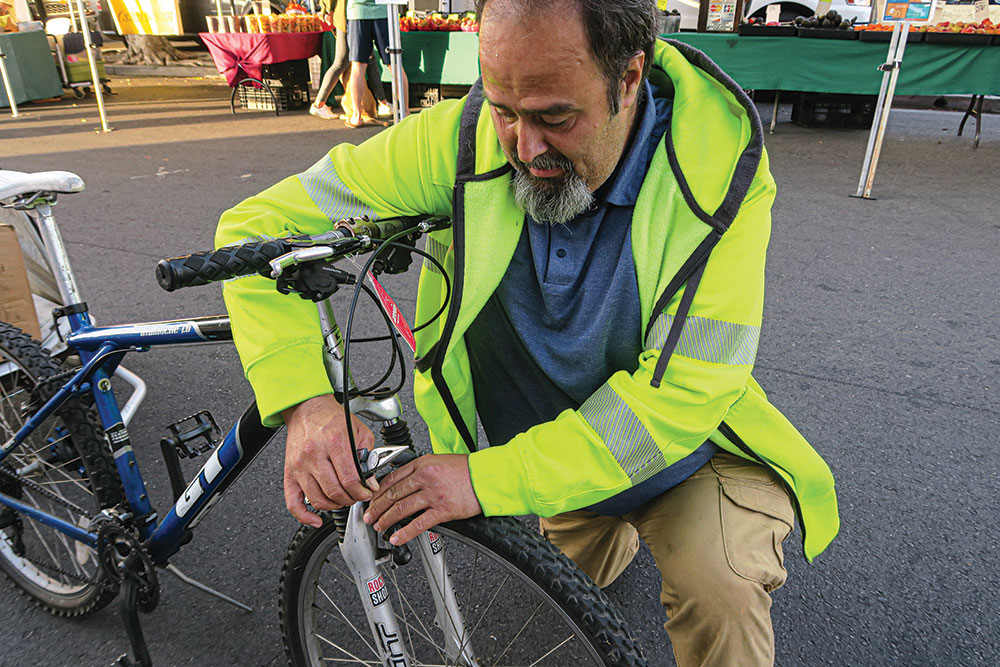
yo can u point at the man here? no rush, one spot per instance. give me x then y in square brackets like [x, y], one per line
[611, 204]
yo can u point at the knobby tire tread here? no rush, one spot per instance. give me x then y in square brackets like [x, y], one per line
[88, 439]
[535, 556]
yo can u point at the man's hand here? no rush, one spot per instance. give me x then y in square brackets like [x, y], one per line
[438, 485]
[319, 463]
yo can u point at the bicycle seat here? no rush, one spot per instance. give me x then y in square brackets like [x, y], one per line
[17, 183]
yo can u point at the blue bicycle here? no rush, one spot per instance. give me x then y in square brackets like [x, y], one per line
[78, 529]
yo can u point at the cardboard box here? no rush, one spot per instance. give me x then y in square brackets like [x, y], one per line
[17, 306]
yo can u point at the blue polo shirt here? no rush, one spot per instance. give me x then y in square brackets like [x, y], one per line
[566, 315]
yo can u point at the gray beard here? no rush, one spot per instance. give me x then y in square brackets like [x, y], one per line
[554, 201]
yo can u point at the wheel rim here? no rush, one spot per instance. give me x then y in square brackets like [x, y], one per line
[40, 556]
[509, 619]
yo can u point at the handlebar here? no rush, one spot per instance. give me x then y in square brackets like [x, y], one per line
[348, 236]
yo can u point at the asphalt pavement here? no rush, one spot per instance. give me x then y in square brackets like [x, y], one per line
[880, 342]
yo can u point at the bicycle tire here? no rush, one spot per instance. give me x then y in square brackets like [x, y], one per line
[314, 576]
[68, 455]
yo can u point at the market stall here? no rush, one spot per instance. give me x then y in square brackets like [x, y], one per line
[272, 62]
[849, 66]
[30, 67]
[438, 58]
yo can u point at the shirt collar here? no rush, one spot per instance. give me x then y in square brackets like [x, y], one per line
[632, 168]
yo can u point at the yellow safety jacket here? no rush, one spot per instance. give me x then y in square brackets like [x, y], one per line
[699, 233]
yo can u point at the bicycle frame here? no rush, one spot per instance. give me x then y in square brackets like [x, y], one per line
[101, 350]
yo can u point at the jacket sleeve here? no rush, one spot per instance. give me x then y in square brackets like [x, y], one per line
[627, 431]
[405, 170]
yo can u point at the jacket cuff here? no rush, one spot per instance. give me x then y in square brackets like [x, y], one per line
[498, 478]
[287, 377]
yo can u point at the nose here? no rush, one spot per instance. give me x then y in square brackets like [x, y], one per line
[530, 142]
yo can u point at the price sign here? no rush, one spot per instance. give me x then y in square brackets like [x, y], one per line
[773, 13]
[981, 10]
[914, 11]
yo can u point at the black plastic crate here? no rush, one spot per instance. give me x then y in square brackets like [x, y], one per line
[287, 96]
[288, 72]
[847, 111]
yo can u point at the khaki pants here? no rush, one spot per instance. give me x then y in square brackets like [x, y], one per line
[716, 539]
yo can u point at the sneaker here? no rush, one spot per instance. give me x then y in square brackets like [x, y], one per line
[384, 109]
[322, 112]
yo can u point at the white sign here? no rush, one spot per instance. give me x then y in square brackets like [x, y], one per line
[773, 13]
[981, 10]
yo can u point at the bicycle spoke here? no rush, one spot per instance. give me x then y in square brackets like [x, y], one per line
[485, 611]
[346, 620]
[551, 651]
[355, 658]
[514, 638]
[426, 633]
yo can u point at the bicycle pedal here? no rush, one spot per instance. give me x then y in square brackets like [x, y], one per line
[193, 435]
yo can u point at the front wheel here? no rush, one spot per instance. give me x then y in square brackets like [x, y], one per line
[523, 602]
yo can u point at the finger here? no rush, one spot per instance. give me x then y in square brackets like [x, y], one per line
[329, 487]
[317, 496]
[295, 502]
[425, 521]
[347, 474]
[400, 509]
[388, 495]
[395, 477]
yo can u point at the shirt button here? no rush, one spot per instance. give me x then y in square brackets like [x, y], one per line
[561, 253]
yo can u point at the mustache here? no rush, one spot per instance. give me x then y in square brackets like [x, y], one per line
[546, 161]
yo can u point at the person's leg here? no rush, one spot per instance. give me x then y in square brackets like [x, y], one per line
[374, 75]
[406, 91]
[716, 539]
[357, 92]
[359, 37]
[602, 546]
[381, 30]
[336, 69]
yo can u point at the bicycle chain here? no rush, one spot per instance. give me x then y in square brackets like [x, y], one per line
[38, 488]
[35, 486]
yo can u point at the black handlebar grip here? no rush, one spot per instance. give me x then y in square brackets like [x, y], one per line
[202, 268]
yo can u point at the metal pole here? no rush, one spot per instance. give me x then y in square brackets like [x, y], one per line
[877, 134]
[6, 83]
[95, 76]
[396, 58]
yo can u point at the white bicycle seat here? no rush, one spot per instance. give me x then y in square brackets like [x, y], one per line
[16, 183]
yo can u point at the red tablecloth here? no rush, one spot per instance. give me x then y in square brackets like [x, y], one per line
[239, 55]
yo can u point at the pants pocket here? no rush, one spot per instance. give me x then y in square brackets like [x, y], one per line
[756, 519]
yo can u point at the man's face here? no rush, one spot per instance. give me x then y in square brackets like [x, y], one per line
[549, 104]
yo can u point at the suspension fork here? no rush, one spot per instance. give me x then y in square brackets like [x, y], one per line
[360, 553]
[359, 544]
[457, 642]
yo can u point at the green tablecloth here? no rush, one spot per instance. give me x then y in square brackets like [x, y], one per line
[761, 63]
[449, 58]
[849, 66]
[30, 66]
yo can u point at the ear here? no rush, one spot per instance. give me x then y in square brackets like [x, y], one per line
[632, 79]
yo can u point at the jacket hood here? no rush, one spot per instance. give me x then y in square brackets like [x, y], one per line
[714, 176]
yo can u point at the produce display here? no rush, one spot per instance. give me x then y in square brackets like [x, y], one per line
[886, 27]
[985, 27]
[832, 20]
[415, 21]
[282, 23]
